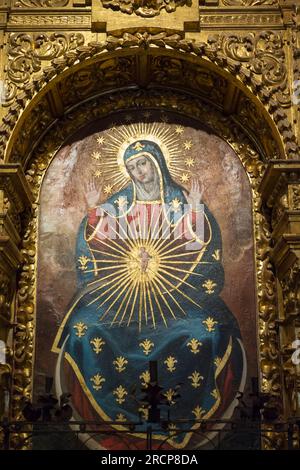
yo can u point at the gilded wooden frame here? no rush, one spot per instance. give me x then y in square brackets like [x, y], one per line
[20, 196]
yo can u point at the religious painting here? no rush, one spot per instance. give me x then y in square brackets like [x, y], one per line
[146, 257]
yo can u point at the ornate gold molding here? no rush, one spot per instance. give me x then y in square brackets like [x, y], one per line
[26, 52]
[230, 52]
[280, 189]
[53, 20]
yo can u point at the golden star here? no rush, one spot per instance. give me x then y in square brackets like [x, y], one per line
[185, 177]
[97, 173]
[100, 140]
[188, 144]
[108, 188]
[190, 162]
[96, 155]
[179, 129]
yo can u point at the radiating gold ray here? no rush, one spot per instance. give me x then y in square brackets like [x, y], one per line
[119, 248]
[131, 291]
[126, 281]
[170, 294]
[178, 290]
[150, 303]
[94, 250]
[145, 301]
[110, 283]
[191, 262]
[163, 253]
[158, 305]
[121, 304]
[114, 301]
[128, 241]
[192, 273]
[188, 253]
[145, 212]
[182, 281]
[140, 306]
[137, 235]
[131, 233]
[152, 242]
[116, 278]
[157, 241]
[108, 268]
[121, 270]
[133, 304]
[163, 298]
[161, 245]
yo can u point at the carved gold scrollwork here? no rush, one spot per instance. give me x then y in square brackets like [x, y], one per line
[26, 53]
[145, 8]
[262, 53]
[242, 56]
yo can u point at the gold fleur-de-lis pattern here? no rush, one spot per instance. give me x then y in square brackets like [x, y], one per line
[98, 381]
[80, 328]
[120, 363]
[146, 346]
[171, 363]
[210, 324]
[196, 379]
[120, 393]
[175, 204]
[172, 428]
[145, 378]
[97, 344]
[194, 345]
[83, 261]
[198, 412]
[170, 396]
[216, 255]
[209, 286]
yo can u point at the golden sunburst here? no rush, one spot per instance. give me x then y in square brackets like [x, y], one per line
[118, 138]
[140, 278]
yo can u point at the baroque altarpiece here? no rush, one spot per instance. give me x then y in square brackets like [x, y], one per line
[124, 123]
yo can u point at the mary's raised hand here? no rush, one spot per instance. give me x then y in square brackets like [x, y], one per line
[92, 193]
[195, 195]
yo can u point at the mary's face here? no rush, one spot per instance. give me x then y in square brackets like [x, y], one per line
[141, 169]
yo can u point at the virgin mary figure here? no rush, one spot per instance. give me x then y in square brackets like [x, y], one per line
[149, 284]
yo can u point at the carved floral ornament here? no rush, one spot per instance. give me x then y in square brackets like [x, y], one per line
[145, 8]
[42, 157]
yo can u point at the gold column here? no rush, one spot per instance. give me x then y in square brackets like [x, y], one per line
[280, 189]
[15, 203]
